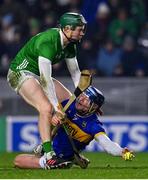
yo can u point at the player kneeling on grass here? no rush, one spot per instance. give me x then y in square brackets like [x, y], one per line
[83, 124]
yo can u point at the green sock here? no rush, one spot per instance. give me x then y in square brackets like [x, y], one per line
[47, 146]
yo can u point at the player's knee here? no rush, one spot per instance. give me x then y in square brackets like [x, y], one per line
[46, 110]
[17, 161]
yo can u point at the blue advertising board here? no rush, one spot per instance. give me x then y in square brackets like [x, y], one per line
[128, 131]
[22, 133]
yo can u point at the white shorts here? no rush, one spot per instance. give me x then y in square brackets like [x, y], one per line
[16, 79]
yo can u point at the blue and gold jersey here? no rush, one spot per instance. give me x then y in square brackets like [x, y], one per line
[82, 130]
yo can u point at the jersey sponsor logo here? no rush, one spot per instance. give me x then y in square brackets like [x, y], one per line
[23, 65]
[77, 133]
[71, 130]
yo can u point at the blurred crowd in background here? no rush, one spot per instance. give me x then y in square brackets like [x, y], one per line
[115, 44]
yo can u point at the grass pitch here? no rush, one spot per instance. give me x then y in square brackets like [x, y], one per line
[102, 166]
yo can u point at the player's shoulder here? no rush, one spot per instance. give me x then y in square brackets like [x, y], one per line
[93, 125]
[53, 31]
[94, 119]
[50, 34]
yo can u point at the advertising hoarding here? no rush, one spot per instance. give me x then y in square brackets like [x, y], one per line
[130, 131]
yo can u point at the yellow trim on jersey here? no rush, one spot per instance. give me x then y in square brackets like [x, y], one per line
[77, 133]
[100, 133]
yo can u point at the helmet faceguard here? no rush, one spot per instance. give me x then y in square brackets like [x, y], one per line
[96, 100]
[73, 20]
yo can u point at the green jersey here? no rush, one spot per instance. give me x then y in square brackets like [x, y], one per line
[46, 44]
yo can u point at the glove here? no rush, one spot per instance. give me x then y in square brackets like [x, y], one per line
[38, 150]
[127, 155]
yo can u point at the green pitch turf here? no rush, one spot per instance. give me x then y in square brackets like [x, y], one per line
[103, 166]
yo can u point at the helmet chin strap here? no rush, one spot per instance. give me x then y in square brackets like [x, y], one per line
[69, 39]
[90, 111]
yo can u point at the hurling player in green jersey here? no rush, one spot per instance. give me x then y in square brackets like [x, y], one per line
[30, 72]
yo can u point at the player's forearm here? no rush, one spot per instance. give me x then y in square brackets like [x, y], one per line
[74, 70]
[109, 146]
[46, 80]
